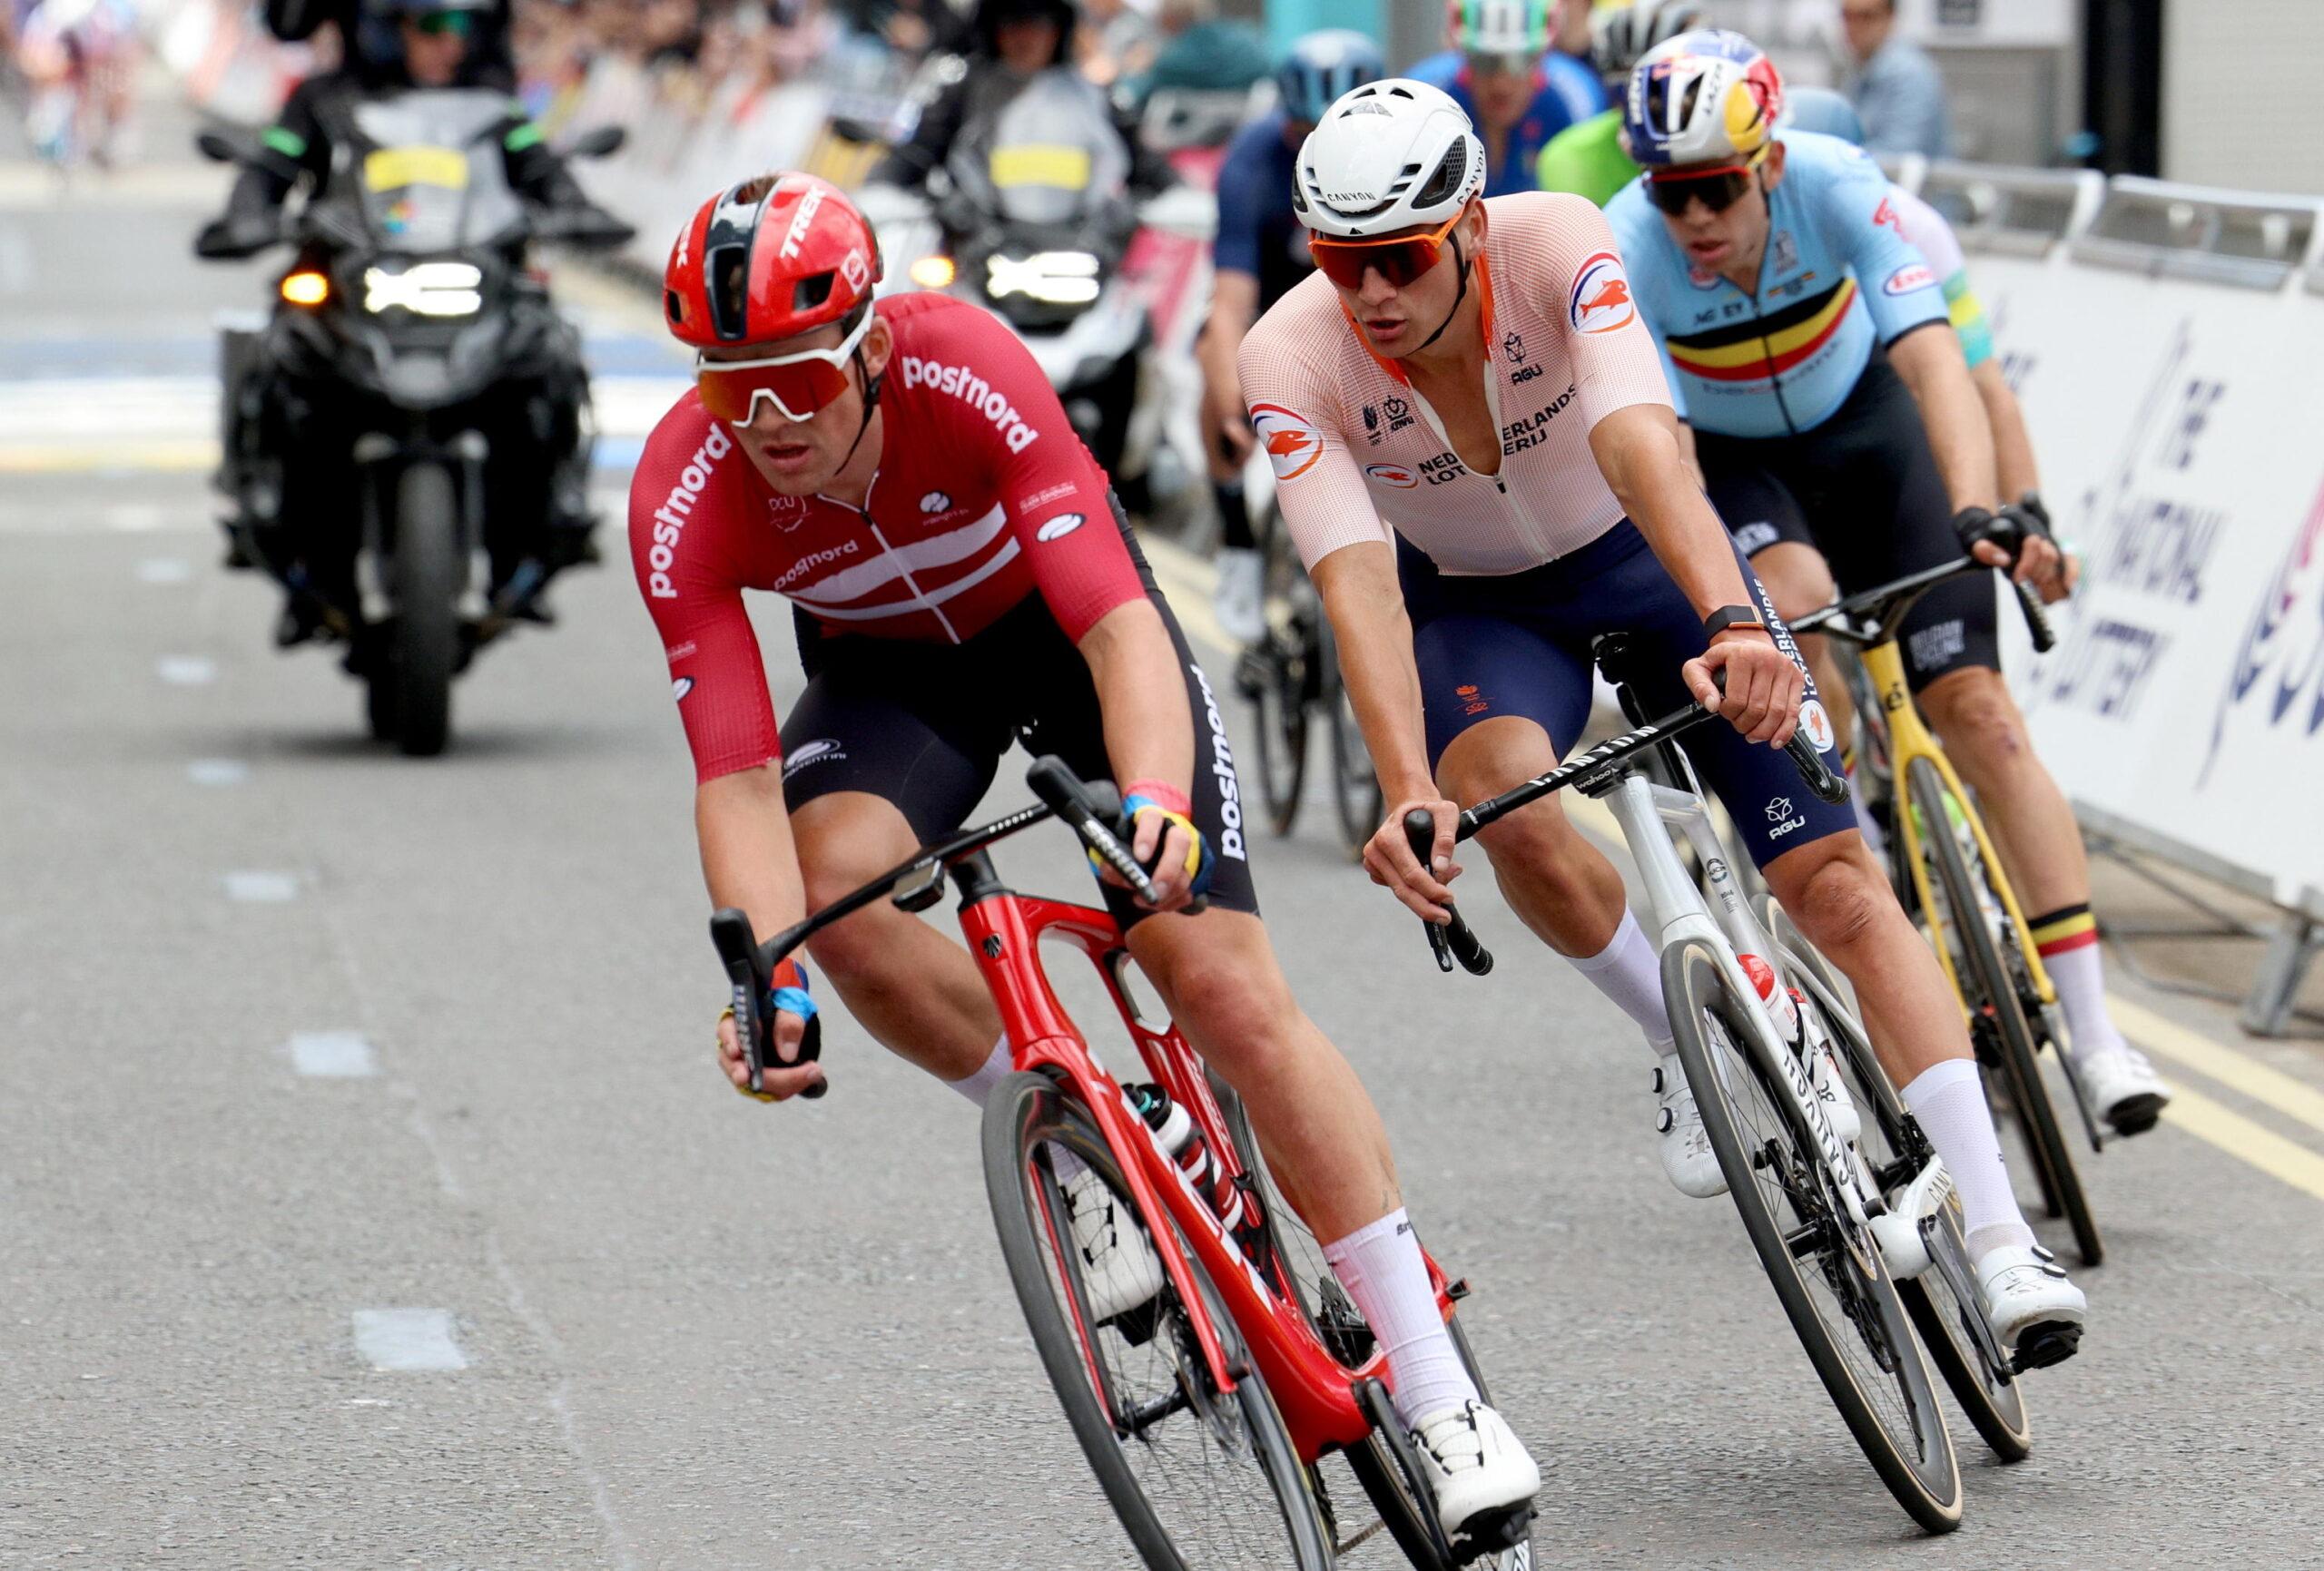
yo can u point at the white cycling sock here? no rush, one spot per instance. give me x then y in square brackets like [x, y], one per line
[1950, 1104]
[2079, 977]
[1382, 1268]
[1629, 971]
[978, 1086]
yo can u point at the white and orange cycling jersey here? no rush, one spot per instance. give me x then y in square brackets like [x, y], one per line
[1358, 452]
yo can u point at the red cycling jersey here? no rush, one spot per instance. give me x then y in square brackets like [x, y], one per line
[983, 496]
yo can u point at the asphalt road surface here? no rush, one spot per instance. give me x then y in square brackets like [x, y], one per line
[368, 1197]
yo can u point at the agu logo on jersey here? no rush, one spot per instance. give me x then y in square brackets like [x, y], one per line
[1292, 442]
[1602, 296]
[1395, 475]
[1906, 279]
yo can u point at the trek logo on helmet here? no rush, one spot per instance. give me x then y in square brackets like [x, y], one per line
[796, 235]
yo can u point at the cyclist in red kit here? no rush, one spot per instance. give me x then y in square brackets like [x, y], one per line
[961, 578]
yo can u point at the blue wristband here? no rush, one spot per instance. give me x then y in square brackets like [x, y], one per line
[794, 1001]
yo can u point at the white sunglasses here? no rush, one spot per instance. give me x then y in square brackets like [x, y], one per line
[731, 389]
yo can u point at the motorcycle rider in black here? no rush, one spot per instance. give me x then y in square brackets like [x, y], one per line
[392, 46]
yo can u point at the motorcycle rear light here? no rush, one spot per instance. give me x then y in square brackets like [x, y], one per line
[306, 288]
[933, 272]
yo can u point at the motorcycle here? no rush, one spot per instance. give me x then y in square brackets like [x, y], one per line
[409, 330]
[1031, 217]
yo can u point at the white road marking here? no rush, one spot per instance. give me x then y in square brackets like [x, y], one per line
[165, 570]
[15, 260]
[217, 771]
[136, 518]
[262, 887]
[186, 669]
[407, 1340]
[334, 1054]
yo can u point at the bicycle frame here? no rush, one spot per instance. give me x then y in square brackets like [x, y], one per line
[1909, 737]
[1004, 929]
[1679, 915]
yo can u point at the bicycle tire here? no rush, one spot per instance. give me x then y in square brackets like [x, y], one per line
[1356, 785]
[1272, 686]
[1302, 1265]
[2029, 1094]
[1026, 1113]
[1993, 1401]
[1926, 1481]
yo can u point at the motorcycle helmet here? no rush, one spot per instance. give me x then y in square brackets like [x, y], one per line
[377, 41]
[992, 15]
[772, 257]
[1704, 97]
[1324, 66]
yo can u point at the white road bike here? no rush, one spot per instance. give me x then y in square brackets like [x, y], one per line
[1861, 1239]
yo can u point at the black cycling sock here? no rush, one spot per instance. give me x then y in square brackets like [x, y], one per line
[1234, 518]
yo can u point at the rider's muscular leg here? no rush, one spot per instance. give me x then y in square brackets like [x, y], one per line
[912, 988]
[1217, 976]
[2032, 826]
[1834, 892]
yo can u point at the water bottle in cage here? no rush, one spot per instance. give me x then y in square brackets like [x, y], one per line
[1786, 1005]
[1174, 1130]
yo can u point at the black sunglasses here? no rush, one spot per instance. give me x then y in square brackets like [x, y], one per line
[1717, 189]
[437, 24]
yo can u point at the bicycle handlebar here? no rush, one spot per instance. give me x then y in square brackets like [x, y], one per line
[1069, 800]
[1450, 940]
[1873, 615]
[730, 930]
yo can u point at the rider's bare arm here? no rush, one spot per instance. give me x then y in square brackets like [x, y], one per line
[1929, 359]
[750, 862]
[2013, 458]
[1373, 633]
[1150, 732]
[1638, 450]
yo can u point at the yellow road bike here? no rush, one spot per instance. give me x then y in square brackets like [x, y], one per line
[1947, 873]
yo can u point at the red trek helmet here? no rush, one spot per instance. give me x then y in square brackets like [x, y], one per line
[776, 256]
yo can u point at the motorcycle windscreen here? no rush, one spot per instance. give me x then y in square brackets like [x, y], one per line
[1052, 153]
[433, 177]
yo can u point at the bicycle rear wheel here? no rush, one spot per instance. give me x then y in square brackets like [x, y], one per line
[1973, 922]
[1198, 1477]
[1894, 1148]
[1299, 1261]
[1825, 1272]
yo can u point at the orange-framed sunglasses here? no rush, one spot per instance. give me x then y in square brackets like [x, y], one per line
[1400, 260]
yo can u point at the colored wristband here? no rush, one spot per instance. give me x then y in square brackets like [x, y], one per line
[1157, 793]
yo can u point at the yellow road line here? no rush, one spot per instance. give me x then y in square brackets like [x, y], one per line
[2248, 1142]
[2238, 1072]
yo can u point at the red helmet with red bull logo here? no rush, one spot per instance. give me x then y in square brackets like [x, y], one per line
[1712, 96]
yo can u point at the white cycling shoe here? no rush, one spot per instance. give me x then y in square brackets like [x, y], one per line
[1480, 1473]
[2036, 1311]
[2124, 1089]
[1119, 1270]
[1240, 600]
[1686, 1155]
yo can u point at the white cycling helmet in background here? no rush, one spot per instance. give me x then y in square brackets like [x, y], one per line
[1620, 34]
[1386, 156]
[1514, 27]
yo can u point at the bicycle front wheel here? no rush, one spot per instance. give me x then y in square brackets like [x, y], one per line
[1973, 922]
[1826, 1271]
[1198, 1477]
[1895, 1149]
[1296, 1264]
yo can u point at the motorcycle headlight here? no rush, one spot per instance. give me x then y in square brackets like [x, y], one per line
[434, 289]
[1058, 278]
[933, 271]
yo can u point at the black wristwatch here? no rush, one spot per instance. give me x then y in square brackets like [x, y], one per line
[1728, 616]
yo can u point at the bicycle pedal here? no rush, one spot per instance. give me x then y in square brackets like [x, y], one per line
[2042, 1346]
[1491, 1532]
[2135, 1116]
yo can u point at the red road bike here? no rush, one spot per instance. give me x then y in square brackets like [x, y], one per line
[1209, 1414]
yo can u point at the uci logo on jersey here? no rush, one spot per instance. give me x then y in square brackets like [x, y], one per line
[1601, 295]
[1292, 444]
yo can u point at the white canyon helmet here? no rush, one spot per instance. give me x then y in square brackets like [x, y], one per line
[1388, 155]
